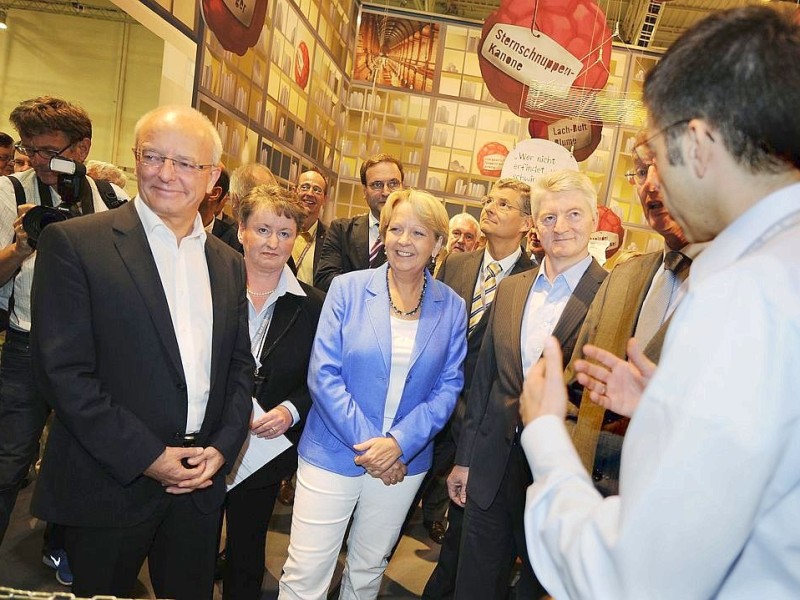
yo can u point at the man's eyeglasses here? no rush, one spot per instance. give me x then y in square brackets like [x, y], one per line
[501, 204]
[45, 153]
[639, 174]
[646, 143]
[378, 186]
[154, 160]
[315, 189]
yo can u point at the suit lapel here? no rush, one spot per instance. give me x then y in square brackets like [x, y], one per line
[640, 286]
[361, 241]
[578, 304]
[222, 289]
[377, 303]
[320, 238]
[430, 316]
[468, 278]
[134, 250]
[523, 285]
[287, 309]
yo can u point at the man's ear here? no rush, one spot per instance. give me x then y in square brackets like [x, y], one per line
[701, 146]
[216, 192]
[527, 223]
[82, 147]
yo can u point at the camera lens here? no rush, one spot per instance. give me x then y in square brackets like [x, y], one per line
[39, 217]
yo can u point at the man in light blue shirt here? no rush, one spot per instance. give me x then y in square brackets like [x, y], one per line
[490, 474]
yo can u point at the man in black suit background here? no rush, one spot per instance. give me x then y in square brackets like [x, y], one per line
[213, 218]
[140, 339]
[352, 244]
[504, 221]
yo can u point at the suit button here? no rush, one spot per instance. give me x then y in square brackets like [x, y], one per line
[597, 475]
[181, 386]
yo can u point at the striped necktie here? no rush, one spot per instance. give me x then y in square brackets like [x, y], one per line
[375, 252]
[485, 295]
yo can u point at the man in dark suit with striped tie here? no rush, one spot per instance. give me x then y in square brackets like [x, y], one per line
[352, 244]
[491, 474]
[474, 275]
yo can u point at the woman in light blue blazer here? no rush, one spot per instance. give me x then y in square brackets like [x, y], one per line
[385, 372]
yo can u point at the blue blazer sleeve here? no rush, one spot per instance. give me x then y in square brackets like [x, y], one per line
[341, 414]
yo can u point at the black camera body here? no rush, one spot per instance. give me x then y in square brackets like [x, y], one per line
[71, 178]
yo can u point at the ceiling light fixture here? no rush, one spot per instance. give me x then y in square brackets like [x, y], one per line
[3, 15]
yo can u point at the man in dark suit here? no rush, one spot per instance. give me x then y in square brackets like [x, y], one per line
[504, 220]
[212, 216]
[243, 179]
[490, 475]
[312, 190]
[352, 244]
[140, 340]
[623, 308]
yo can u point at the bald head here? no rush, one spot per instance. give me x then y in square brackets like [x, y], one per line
[176, 116]
[244, 179]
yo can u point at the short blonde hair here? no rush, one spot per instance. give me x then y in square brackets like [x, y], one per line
[426, 207]
[563, 181]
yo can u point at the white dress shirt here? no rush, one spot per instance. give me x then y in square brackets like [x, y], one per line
[710, 480]
[259, 322]
[183, 271]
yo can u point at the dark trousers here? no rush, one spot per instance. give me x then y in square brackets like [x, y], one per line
[179, 542]
[23, 413]
[442, 582]
[494, 537]
[247, 515]
[433, 490]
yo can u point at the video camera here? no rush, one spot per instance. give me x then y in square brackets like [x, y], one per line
[71, 176]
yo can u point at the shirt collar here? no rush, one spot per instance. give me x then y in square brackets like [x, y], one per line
[690, 250]
[288, 284]
[152, 222]
[373, 222]
[507, 263]
[313, 229]
[571, 276]
[765, 218]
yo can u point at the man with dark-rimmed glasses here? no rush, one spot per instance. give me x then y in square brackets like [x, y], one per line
[710, 474]
[48, 127]
[353, 243]
[635, 300]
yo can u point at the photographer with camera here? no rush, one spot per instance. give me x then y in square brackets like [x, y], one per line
[56, 136]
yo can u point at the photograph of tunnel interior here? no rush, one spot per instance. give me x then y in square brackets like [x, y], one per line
[396, 52]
